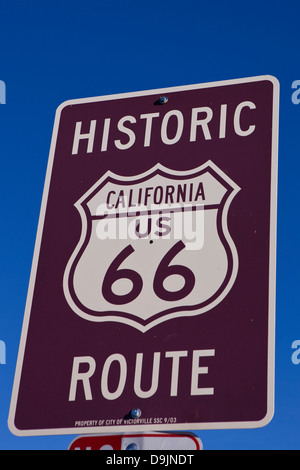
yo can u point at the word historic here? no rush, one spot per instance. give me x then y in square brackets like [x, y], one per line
[170, 128]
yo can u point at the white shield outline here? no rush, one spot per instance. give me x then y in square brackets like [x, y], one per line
[122, 317]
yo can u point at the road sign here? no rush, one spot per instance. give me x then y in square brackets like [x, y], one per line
[142, 441]
[151, 302]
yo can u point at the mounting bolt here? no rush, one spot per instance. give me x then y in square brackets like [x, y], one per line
[135, 413]
[132, 446]
[163, 100]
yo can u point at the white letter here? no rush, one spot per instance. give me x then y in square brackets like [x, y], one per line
[107, 229]
[196, 370]
[164, 125]
[90, 136]
[127, 131]
[196, 236]
[138, 376]
[2, 353]
[295, 355]
[84, 376]
[148, 118]
[222, 130]
[175, 369]
[202, 122]
[2, 92]
[105, 134]
[104, 379]
[236, 120]
[296, 94]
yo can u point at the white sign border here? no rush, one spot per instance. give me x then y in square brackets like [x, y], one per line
[272, 272]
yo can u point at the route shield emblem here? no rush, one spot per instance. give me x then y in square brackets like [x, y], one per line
[153, 246]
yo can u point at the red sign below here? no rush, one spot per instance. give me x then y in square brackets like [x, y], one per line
[144, 441]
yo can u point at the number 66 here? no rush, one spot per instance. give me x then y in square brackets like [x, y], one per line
[163, 271]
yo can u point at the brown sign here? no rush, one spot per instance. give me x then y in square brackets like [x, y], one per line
[151, 300]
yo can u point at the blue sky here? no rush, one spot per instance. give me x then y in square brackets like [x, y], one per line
[60, 50]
